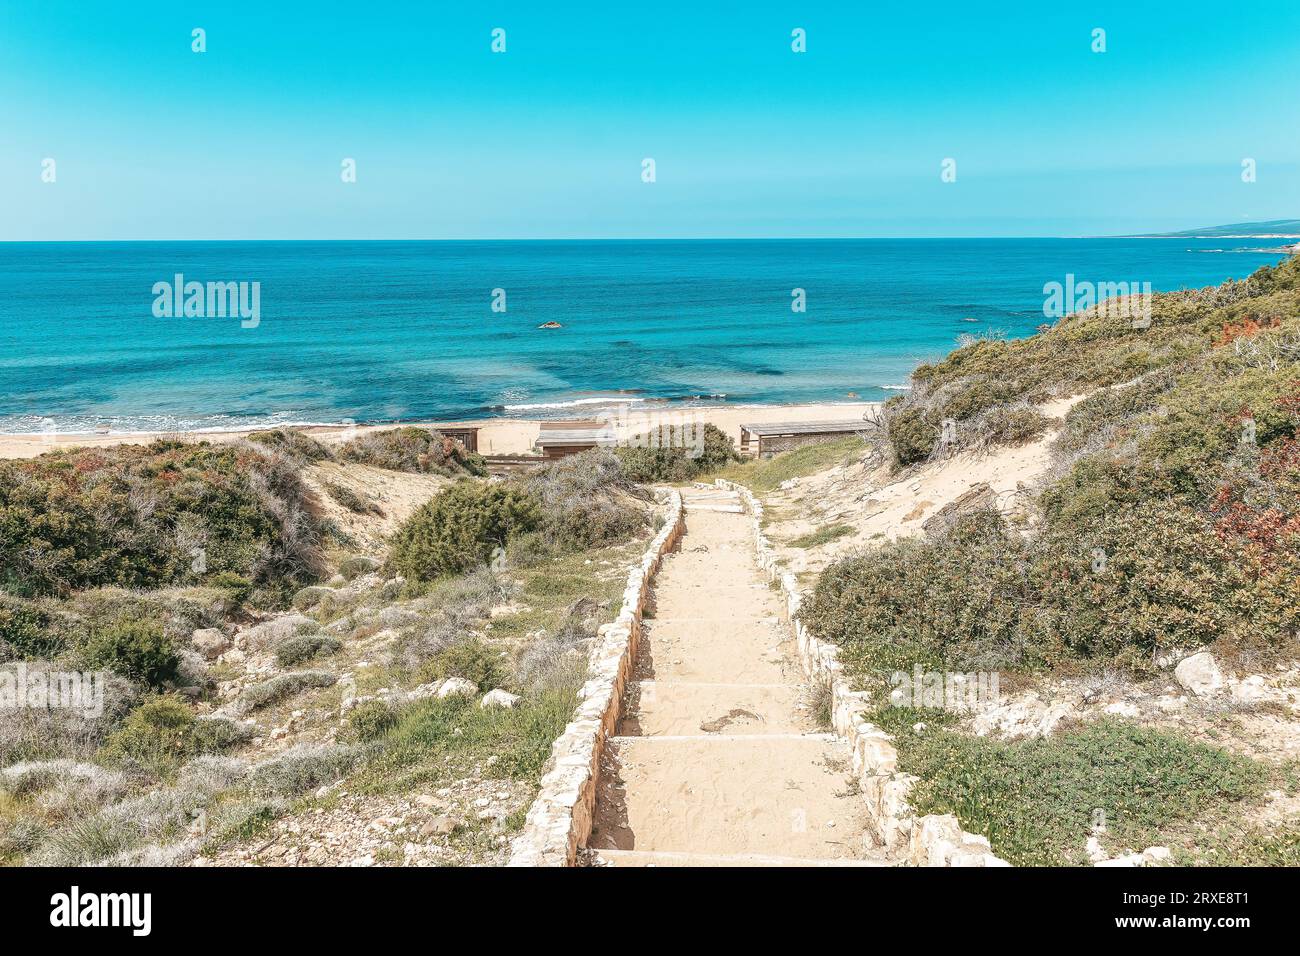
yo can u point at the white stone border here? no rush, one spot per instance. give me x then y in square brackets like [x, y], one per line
[932, 840]
[559, 821]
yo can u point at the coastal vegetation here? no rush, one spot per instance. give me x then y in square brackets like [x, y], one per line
[413, 449]
[1167, 522]
[675, 454]
[1171, 520]
[232, 627]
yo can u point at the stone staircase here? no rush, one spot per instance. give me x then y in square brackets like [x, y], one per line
[717, 761]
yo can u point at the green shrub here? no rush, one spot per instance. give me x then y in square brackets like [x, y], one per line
[34, 631]
[282, 687]
[768, 474]
[372, 720]
[295, 650]
[136, 648]
[158, 733]
[354, 501]
[413, 449]
[238, 588]
[814, 539]
[1036, 799]
[952, 603]
[292, 442]
[358, 565]
[671, 453]
[584, 502]
[162, 733]
[1013, 426]
[471, 659]
[138, 516]
[912, 437]
[461, 527]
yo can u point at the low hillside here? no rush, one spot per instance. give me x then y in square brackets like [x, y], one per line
[368, 666]
[1106, 516]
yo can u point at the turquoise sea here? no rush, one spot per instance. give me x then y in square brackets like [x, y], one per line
[382, 331]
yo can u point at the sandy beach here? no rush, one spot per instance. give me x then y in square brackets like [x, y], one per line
[498, 436]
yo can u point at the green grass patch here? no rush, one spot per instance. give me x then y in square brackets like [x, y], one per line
[822, 536]
[767, 474]
[1036, 800]
[435, 738]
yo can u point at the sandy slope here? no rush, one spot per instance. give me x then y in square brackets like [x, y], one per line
[394, 494]
[880, 505]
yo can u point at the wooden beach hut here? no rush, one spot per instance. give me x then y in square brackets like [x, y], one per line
[467, 435]
[558, 439]
[763, 440]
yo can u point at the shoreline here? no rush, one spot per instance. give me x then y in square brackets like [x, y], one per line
[497, 436]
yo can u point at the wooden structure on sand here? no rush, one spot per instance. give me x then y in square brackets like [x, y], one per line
[467, 435]
[558, 439]
[763, 440]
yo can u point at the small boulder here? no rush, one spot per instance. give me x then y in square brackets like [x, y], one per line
[457, 687]
[499, 698]
[210, 642]
[1200, 674]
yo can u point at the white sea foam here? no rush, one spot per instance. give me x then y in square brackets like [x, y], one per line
[605, 400]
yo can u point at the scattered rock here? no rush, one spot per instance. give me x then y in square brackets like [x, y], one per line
[1249, 691]
[499, 698]
[457, 687]
[210, 642]
[1122, 708]
[1025, 717]
[1093, 848]
[1200, 674]
[438, 826]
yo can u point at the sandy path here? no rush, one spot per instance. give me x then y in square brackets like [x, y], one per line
[717, 762]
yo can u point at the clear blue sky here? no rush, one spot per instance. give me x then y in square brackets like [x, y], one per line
[153, 141]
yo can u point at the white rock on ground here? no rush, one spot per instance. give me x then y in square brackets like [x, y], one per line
[499, 698]
[1200, 674]
[1026, 717]
[1249, 691]
[457, 687]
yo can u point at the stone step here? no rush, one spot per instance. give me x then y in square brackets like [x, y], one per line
[688, 651]
[724, 583]
[665, 858]
[720, 508]
[677, 708]
[734, 603]
[734, 794]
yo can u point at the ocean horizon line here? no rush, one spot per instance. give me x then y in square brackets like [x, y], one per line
[1018, 237]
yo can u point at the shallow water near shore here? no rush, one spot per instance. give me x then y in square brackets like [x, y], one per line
[384, 331]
